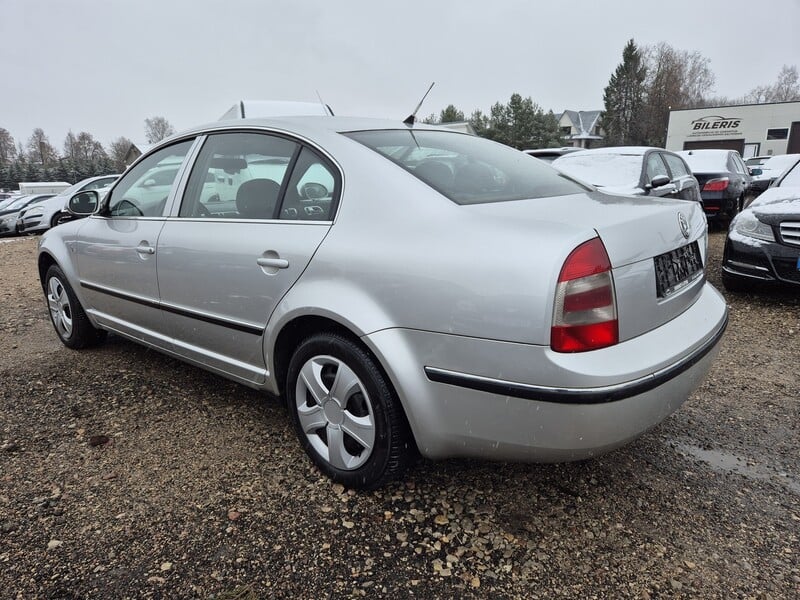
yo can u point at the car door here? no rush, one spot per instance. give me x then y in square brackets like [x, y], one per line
[116, 251]
[742, 172]
[227, 258]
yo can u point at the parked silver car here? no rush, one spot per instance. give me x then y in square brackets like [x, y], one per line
[403, 288]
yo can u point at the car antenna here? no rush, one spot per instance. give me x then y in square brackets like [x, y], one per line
[412, 118]
[325, 106]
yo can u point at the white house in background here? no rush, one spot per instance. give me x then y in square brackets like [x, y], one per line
[135, 151]
[581, 128]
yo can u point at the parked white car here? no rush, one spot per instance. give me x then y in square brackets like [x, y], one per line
[44, 215]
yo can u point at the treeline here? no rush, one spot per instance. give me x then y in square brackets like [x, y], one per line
[81, 156]
[648, 83]
[520, 123]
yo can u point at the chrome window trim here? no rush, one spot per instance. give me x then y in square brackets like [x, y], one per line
[299, 138]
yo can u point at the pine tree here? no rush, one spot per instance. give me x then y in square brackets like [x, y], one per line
[624, 99]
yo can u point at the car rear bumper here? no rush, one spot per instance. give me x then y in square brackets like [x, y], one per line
[504, 401]
[754, 260]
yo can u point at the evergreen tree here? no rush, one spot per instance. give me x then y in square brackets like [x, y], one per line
[451, 114]
[623, 98]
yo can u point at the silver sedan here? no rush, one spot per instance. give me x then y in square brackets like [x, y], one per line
[405, 289]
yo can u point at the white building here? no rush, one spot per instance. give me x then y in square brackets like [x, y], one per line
[581, 128]
[752, 129]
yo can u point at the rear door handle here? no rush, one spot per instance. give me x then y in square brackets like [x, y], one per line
[145, 250]
[275, 263]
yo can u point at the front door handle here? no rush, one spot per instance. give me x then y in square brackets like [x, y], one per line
[275, 263]
[145, 250]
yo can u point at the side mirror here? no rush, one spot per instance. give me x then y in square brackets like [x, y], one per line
[149, 182]
[659, 180]
[83, 203]
[754, 171]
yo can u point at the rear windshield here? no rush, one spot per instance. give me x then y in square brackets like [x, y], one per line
[603, 170]
[707, 162]
[468, 169]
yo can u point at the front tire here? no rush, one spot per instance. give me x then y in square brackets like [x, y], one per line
[346, 413]
[69, 320]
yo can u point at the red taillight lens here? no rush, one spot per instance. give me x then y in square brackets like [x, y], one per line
[585, 315]
[716, 185]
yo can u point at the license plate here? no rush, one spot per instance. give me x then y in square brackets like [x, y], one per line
[678, 268]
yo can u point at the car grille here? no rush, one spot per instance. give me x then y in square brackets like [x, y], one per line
[786, 268]
[790, 233]
[677, 269]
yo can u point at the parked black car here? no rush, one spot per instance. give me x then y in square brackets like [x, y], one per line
[633, 170]
[763, 245]
[724, 180]
[550, 154]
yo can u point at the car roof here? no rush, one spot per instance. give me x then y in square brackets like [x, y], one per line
[312, 124]
[618, 150]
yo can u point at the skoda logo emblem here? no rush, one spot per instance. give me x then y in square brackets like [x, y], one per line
[684, 225]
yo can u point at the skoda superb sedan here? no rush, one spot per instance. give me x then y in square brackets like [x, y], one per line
[763, 245]
[404, 288]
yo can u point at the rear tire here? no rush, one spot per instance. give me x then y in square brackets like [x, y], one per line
[67, 315]
[346, 414]
[56, 219]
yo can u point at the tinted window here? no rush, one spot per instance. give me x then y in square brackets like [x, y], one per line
[676, 165]
[238, 176]
[468, 169]
[144, 190]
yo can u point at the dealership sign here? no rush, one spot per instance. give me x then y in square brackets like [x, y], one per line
[716, 126]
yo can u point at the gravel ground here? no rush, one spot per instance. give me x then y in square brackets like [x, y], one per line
[124, 473]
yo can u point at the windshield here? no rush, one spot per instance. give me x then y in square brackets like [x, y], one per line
[468, 169]
[603, 170]
[706, 162]
[778, 164]
[22, 202]
[792, 178]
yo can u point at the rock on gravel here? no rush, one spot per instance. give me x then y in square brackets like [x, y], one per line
[202, 490]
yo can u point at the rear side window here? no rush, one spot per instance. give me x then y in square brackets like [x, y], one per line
[655, 166]
[468, 169]
[676, 165]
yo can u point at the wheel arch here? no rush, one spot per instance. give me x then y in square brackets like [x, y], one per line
[294, 331]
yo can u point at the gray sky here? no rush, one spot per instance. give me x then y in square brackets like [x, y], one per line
[103, 66]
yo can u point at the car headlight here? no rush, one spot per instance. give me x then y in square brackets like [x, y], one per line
[746, 223]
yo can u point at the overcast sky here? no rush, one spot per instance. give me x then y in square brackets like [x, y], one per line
[103, 66]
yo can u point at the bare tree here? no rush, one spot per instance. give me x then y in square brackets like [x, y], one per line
[156, 129]
[117, 151]
[8, 148]
[40, 149]
[787, 87]
[675, 79]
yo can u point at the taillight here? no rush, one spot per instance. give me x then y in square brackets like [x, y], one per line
[585, 315]
[716, 185]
